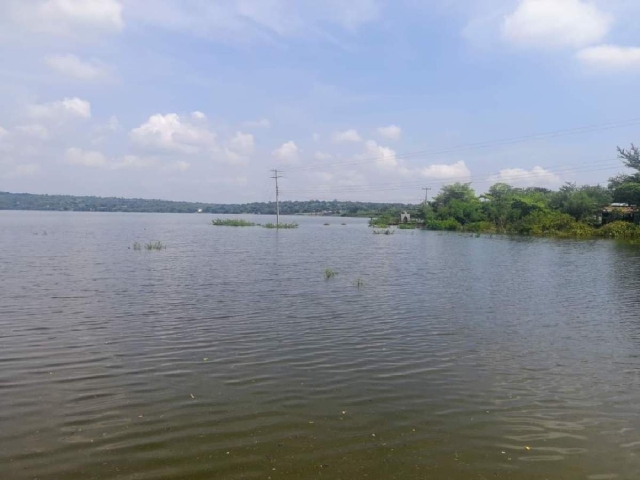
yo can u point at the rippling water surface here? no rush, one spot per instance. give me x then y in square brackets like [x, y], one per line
[229, 356]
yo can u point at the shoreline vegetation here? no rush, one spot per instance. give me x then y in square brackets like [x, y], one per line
[589, 211]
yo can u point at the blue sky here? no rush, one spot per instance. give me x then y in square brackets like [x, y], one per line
[359, 100]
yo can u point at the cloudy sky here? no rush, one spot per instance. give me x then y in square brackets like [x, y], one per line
[353, 99]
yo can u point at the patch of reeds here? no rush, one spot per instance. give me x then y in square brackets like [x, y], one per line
[388, 231]
[407, 226]
[234, 222]
[137, 246]
[285, 226]
[329, 274]
[154, 246]
[359, 283]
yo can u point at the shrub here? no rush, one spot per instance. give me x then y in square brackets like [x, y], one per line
[623, 230]
[282, 226]
[231, 223]
[450, 225]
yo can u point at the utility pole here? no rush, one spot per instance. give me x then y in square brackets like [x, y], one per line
[276, 176]
[426, 197]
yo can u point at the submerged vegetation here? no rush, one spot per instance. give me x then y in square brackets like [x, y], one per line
[329, 274]
[407, 226]
[284, 226]
[137, 246]
[388, 231]
[359, 283]
[155, 246]
[236, 222]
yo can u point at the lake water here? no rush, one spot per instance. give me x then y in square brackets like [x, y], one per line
[230, 356]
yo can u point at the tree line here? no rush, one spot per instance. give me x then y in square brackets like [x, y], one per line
[570, 211]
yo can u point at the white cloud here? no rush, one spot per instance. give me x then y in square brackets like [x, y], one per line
[556, 23]
[262, 123]
[457, 172]
[172, 133]
[65, 17]
[3, 132]
[67, 108]
[287, 153]
[197, 115]
[35, 131]
[72, 66]
[347, 136]
[242, 143]
[392, 132]
[610, 57]
[321, 156]
[113, 124]
[384, 157]
[85, 158]
[519, 177]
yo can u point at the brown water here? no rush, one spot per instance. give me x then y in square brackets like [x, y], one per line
[229, 356]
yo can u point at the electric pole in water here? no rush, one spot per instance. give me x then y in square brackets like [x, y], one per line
[276, 176]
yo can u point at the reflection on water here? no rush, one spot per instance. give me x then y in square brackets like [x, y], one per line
[229, 355]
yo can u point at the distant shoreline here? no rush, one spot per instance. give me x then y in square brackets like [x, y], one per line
[64, 203]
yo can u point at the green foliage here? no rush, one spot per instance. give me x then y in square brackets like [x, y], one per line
[620, 230]
[154, 246]
[282, 226]
[628, 193]
[329, 274]
[480, 227]
[383, 232]
[407, 226]
[450, 224]
[137, 246]
[231, 223]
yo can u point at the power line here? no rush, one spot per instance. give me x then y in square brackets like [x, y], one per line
[583, 168]
[478, 145]
[277, 176]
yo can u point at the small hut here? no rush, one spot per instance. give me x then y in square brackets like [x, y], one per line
[405, 217]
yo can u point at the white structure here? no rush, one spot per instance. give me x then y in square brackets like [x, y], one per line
[405, 217]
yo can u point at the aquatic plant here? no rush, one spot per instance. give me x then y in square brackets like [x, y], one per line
[388, 231]
[359, 283]
[154, 246]
[328, 273]
[137, 246]
[344, 224]
[236, 222]
[284, 226]
[407, 226]
[327, 224]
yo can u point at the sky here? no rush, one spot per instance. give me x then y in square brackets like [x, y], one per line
[371, 100]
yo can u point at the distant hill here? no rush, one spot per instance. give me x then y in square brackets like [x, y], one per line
[28, 201]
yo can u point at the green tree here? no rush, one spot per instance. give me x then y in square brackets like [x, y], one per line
[628, 193]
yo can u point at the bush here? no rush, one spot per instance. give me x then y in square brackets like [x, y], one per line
[620, 230]
[480, 227]
[450, 225]
[407, 226]
[231, 223]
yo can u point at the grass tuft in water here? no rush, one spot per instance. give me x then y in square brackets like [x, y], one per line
[285, 226]
[328, 273]
[359, 283]
[154, 246]
[235, 222]
[327, 224]
[137, 246]
[388, 231]
[407, 226]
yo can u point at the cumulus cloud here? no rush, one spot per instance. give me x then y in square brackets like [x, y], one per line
[457, 172]
[180, 166]
[556, 23]
[610, 57]
[242, 143]
[66, 108]
[174, 134]
[347, 136]
[198, 115]
[287, 153]
[135, 162]
[72, 66]
[3, 132]
[34, 131]
[85, 158]
[385, 158]
[392, 132]
[65, 17]
[520, 177]
[262, 123]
